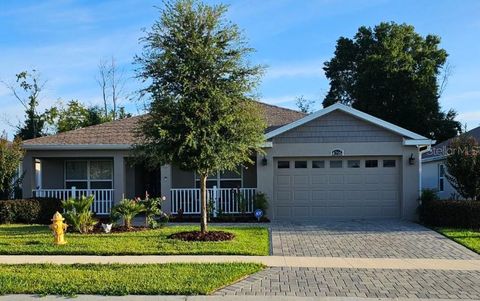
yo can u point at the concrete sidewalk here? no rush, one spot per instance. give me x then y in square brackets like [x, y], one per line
[200, 298]
[270, 261]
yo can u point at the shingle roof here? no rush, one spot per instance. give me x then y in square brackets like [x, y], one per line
[121, 132]
[438, 151]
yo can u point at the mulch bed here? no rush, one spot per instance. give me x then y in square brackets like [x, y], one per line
[198, 236]
[119, 229]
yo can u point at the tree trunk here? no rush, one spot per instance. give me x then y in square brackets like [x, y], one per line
[203, 198]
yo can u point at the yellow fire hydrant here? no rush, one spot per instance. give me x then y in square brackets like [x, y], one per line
[58, 228]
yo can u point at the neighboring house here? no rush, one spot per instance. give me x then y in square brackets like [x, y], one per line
[433, 167]
[336, 163]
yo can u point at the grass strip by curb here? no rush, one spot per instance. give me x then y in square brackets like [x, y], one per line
[118, 279]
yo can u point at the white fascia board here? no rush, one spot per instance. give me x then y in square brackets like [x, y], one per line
[433, 159]
[267, 144]
[77, 147]
[418, 142]
[351, 111]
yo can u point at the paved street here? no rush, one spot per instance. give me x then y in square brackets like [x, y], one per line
[365, 239]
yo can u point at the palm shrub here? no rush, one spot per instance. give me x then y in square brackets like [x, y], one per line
[154, 215]
[78, 213]
[127, 209]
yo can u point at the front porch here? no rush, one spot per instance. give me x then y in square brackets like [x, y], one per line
[111, 178]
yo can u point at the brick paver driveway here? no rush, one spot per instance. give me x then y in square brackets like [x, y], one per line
[364, 239]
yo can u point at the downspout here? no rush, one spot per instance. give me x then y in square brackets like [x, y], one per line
[421, 150]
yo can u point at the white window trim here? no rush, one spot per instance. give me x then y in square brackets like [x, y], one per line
[88, 179]
[219, 179]
[440, 177]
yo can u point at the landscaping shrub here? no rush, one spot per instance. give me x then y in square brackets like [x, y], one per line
[260, 201]
[154, 216]
[29, 211]
[450, 213]
[127, 210]
[78, 213]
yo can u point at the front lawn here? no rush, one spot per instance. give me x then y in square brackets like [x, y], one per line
[116, 279]
[38, 239]
[468, 238]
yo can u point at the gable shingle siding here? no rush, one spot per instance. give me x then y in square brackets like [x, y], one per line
[337, 127]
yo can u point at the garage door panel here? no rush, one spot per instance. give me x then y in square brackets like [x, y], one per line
[301, 180]
[301, 195]
[340, 193]
[283, 180]
[284, 195]
[336, 179]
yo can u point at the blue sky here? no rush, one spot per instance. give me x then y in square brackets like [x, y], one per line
[65, 40]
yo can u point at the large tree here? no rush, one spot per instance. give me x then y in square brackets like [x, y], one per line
[463, 166]
[11, 155]
[202, 117]
[393, 73]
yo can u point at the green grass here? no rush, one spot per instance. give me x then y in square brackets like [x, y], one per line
[37, 239]
[115, 279]
[467, 238]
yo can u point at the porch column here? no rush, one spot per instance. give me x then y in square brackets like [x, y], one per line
[265, 179]
[118, 177]
[166, 185]
[28, 169]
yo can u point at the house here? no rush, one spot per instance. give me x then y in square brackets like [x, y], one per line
[433, 167]
[335, 163]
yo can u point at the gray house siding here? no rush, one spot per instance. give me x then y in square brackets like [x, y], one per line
[337, 127]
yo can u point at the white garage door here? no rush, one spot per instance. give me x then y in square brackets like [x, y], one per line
[336, 188]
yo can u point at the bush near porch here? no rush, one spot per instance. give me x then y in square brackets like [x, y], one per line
[37, 239]
[29, 211]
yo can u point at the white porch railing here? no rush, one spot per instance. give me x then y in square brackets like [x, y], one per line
[103, 197]
[225, 200]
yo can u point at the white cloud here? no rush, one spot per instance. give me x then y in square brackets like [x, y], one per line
[299, 69]
[462, 96]
[470, 116]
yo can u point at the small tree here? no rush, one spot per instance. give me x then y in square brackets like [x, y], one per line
[201, 117]
[463, 166]
[11, 155]
[304, 105]
[27, 90]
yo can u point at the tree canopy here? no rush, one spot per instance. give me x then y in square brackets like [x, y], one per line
[11, 155]
[393, 73]
[202, 116]
[463, 166]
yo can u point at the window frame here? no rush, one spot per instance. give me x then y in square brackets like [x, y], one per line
[330, 164]
[217, 178]
[278, 162]
[441, 178]
[354, 160]
[300, 161]
[372, 160]
[323, 164]
[88, 180]
[391, 160]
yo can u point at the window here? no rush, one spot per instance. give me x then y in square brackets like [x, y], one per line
[224, 179]
[89, 174]
[318, 164]
[283, 164]
[389, 163]
[300, 164]
[353, 163]
[371, 163]
[336, 164]
[441, 177]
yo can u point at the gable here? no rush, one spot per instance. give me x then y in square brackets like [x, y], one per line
[337, 126]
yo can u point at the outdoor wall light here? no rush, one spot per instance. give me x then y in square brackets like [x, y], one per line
[264, 161]
[411, 160]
